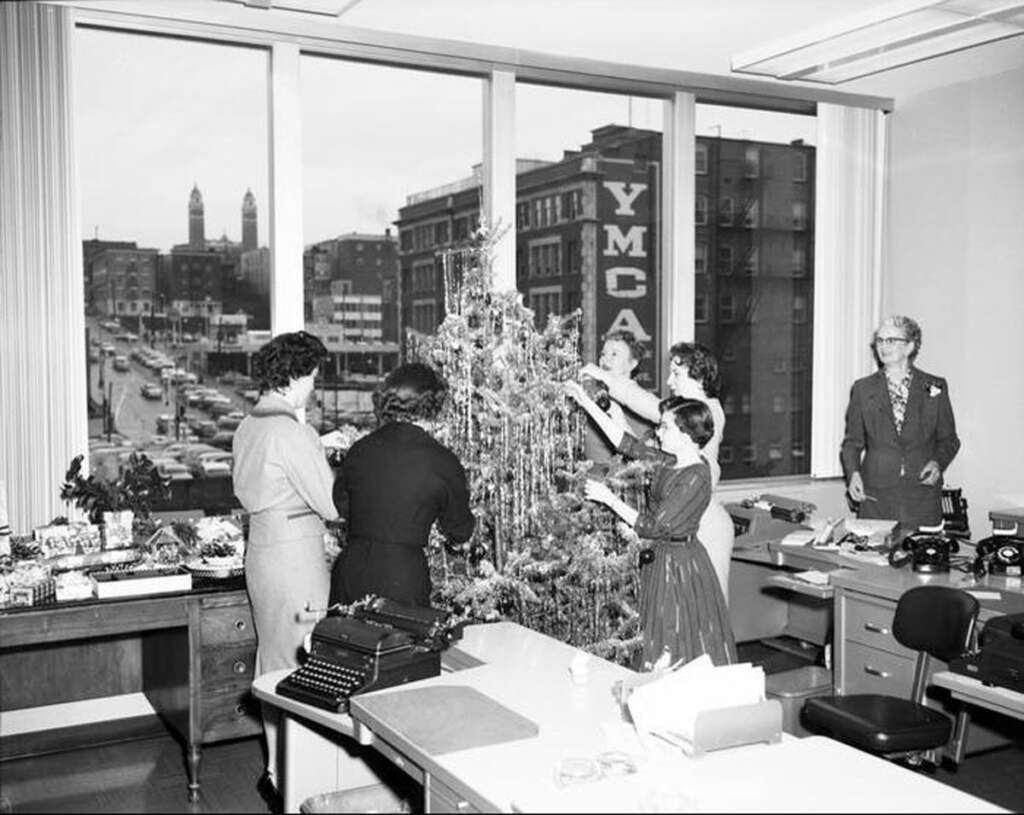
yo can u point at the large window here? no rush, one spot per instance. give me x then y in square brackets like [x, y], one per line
[588, 182]
[762, 279]
[172, 146]
[391, 180]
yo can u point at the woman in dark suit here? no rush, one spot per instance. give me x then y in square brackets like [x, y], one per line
[900, 433]
[393, 485]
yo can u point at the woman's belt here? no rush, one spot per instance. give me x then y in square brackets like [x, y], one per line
[647, 554]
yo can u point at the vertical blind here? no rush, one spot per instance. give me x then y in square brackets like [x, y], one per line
[43, 421]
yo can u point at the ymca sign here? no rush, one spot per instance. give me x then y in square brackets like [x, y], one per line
[626, 284]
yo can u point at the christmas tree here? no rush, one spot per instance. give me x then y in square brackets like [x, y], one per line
[541, 553]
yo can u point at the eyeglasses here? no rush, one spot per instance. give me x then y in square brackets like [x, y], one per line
[890, 340]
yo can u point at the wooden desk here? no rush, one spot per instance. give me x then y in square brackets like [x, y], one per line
[528, 673]
[192, 655]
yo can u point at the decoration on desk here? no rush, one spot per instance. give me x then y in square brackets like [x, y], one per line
[218, 548]
[700, 707]
[131, 583]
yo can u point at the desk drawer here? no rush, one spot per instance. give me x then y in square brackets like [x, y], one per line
[227, 665]
[229, 712]
[869, 622]
[442, 798]
[226, 624]
[870, 670]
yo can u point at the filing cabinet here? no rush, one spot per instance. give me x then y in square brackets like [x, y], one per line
[227, 655]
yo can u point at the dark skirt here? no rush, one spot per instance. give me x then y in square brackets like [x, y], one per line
[396, 571]
[911, 503]
[682, 607]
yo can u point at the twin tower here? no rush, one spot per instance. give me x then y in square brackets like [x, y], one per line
[197, 221]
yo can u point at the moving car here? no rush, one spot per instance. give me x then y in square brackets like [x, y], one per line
[151, 391]
[121, 363]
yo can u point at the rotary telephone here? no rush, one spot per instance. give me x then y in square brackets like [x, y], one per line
[1002, 554]
[928, 551]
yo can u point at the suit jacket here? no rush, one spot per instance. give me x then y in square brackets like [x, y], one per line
[929, 430]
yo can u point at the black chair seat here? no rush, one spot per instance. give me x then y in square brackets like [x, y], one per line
[879, 724]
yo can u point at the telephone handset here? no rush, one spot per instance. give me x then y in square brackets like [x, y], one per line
[1002, 553]
[928, 550]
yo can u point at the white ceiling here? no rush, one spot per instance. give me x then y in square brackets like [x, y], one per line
[689, 35]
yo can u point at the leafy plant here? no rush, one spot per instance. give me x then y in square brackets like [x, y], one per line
[138, 485]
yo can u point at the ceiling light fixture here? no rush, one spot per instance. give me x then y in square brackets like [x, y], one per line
[885, 37]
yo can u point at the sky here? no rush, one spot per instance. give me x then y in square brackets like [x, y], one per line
[156, 115]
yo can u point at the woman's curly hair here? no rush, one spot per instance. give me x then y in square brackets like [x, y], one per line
[700, 362]
[411, 392]
[692, 417]
[286, 357]
[908, 326]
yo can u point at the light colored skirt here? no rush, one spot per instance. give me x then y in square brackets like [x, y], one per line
[718, 535]
[285, 569]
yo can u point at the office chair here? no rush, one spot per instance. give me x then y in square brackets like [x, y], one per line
[935, 621]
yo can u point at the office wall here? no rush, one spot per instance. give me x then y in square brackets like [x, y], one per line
[954, 260]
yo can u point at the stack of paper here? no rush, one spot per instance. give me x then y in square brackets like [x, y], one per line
[668, 706]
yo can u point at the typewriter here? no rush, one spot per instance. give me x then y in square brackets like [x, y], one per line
[366, 647]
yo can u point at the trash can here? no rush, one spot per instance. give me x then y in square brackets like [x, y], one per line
[792, 688]
[371, 798]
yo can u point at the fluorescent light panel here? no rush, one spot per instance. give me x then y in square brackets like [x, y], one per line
[886, 37]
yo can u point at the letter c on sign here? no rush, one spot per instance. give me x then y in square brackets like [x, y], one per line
[613, 282]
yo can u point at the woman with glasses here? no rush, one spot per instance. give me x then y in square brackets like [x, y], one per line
[900, 433]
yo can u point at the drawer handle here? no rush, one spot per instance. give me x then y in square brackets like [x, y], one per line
[877, 629]
[239, 667]
[240, 625]
[875, 672]
[240, 709]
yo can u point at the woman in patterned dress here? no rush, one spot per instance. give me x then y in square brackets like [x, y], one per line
[682, 607]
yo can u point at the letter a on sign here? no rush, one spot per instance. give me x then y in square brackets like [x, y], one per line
[622, 198]
[626, 320]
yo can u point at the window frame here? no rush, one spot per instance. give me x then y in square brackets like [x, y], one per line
[303, 36]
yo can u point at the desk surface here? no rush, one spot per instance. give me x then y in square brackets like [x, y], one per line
[529, 673]
[974, 692]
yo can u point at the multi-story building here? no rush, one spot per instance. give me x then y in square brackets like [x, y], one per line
[351, 267]
[90, 249]
[124, 283]
[587, 237]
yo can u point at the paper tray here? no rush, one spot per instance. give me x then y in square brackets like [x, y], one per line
[732, 727]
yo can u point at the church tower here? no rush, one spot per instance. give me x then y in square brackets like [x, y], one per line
[249, 233]
[196, 220]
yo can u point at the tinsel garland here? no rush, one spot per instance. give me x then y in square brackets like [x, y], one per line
[541, 553]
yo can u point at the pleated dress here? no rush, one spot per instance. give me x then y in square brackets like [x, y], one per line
[682, 606]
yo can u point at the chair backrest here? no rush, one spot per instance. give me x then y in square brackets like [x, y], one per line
[935, 619]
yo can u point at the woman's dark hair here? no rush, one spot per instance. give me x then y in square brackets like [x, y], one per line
[701, 364]
[692, 417]
[636, 347]
[412, 391]
[286, 357]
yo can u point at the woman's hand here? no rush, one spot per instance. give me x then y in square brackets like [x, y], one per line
[855, 489]
[596, 372]
[596, 491]
[334, 439]
[574, 390]
[930, 473]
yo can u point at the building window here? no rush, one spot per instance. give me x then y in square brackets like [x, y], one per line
[701, 211]
[752, 216]
[727, 309]
[729, 353]
[422, 276]
[700, 258]
[700, 163]
[729, 405]
[750, 453]
[799, 309]
[751, 162]
[545, 301]
[725, 260]
[544, 258]
[800, 167]
[725, 454]
[424, 319]
[799, 216]
[745, 404]
[775, 451]
[799, 265]
[750, 262]
[778, 404]
[725, 211]
[700, 308]
[522, 216]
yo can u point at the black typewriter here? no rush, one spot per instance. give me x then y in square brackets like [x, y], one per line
[370, 646]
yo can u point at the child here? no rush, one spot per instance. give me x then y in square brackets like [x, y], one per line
[682, 607]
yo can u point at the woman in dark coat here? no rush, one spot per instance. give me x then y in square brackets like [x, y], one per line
[393, 485]
[900, 433]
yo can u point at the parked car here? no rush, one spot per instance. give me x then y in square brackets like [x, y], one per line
[151, 391]
[229, 422]
[121, 363]
[206, 429]
[164, 422]
[220, 408]
[223, 439]
[174, 470]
